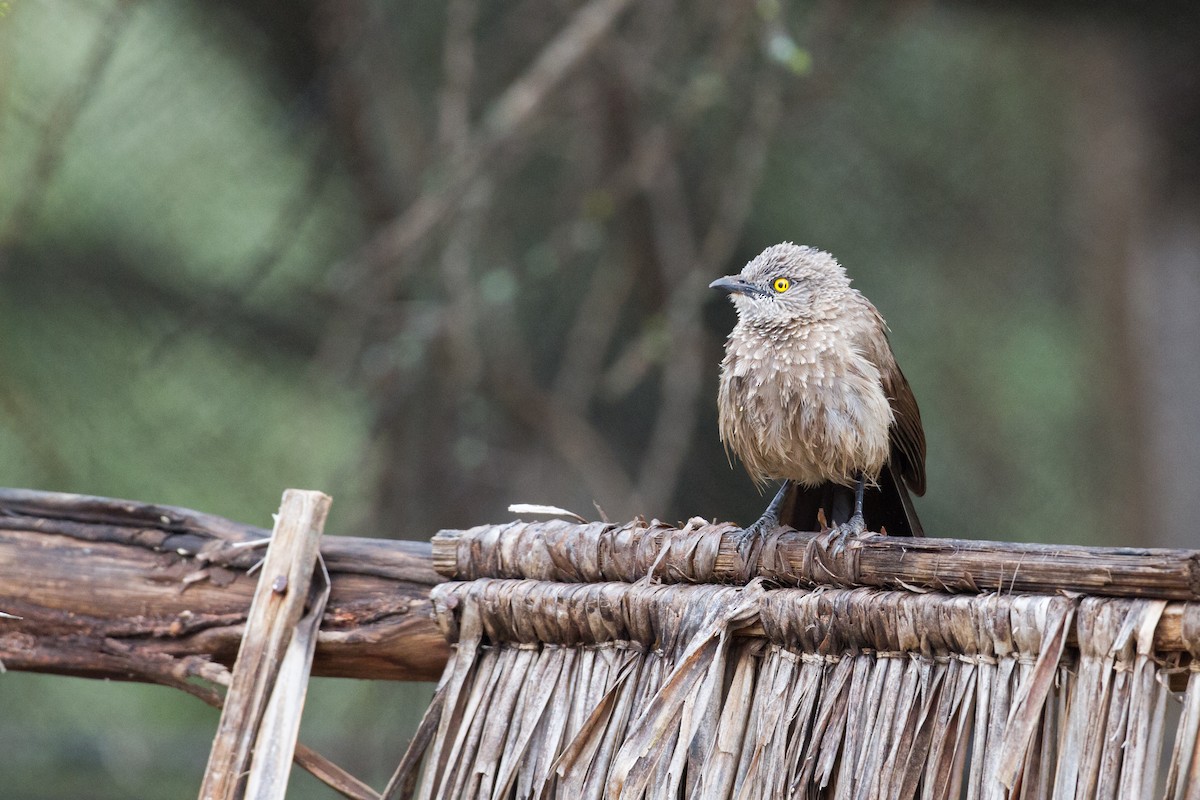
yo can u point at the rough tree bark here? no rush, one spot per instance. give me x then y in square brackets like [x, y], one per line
[116, 589]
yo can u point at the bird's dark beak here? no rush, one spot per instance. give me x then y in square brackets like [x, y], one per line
[734, 284]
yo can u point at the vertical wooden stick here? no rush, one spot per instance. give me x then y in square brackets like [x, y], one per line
[279, 729]
[278, 604]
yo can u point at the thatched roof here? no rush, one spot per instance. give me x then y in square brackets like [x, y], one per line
[638, 688]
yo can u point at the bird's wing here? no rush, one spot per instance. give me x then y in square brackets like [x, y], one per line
[907, 435]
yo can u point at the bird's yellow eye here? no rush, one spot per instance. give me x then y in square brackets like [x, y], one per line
[781, 285]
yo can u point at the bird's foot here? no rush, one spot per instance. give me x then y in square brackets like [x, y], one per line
[755, 533]
[767, 523]
[853, 527]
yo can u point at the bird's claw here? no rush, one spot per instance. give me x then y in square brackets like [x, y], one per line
[853, 527]
[754, 534]
[856, 526]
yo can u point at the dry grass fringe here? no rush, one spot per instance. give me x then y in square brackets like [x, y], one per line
[623, 690]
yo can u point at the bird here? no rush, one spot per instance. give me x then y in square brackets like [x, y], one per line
[811, 396]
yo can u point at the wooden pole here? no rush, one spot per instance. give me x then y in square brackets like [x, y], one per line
[132, 591]
[704, 552]
[279, 601]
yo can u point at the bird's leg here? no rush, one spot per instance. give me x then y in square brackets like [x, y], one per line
[769, 520]
[857, 524]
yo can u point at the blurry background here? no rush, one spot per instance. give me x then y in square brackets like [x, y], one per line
[438, 257]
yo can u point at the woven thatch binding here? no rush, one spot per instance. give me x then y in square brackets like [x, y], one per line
[642, 690]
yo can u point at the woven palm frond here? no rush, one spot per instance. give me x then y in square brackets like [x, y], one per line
[624, 690]
[645, 690]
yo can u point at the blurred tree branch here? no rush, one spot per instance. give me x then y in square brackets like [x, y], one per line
[289, 332]
[373, 272]
[62, 121]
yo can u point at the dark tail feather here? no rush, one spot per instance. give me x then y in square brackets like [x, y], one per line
[895, 512]
[887, 508]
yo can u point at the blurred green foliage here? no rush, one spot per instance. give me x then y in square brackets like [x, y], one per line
[174, 177]
[173, 230]
[69, 737]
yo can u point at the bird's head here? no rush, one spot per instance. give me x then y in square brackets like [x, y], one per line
[784, 282]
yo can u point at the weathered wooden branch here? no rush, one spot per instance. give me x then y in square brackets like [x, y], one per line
[126, 590]
[132, 591]
[708, 553]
